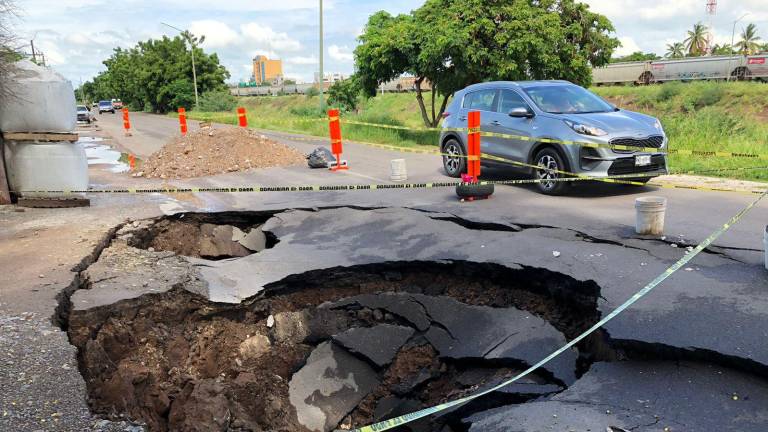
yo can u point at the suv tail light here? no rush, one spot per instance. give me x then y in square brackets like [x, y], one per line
[446, 114]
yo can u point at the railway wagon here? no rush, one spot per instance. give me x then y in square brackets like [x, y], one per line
[687, 69]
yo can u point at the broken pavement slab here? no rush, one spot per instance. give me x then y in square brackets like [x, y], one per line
[653, 396]
[379, 344]
[462, 332]
[728, 294]
[329, 386]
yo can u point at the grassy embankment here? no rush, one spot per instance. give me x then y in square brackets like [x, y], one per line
[704, 116]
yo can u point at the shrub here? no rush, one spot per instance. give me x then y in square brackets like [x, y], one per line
[312, 92]
[668, 91]
[307, 111]
[217, 100]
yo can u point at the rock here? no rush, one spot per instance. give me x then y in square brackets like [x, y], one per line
[329, 386]
[270, 321]
[254, 347]
[378, 344]
[216, 241]
[291, 327]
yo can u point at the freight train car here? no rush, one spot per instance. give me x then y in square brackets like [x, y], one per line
[688, 69]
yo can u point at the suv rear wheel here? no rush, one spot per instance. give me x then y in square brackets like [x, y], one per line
[454, 159]
[549, 183]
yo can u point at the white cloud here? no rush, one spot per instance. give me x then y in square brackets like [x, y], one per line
[265, 38]
[217, 34]
[302, 60]
[341, 54]
[628, 46]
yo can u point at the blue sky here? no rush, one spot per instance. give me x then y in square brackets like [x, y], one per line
[76, 35]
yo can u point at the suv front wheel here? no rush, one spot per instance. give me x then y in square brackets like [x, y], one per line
[549, 182]
[454, 159]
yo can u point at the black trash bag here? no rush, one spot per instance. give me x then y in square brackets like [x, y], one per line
[321, 157]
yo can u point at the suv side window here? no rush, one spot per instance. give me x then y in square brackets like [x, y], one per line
[483, 100]
[510, 100]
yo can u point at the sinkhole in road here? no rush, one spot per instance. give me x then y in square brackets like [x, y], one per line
[340, 347]
[211, 236]
[333, 348]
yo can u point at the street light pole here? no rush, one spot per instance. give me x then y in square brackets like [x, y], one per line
[320, 77]
[733, 33]
[192, 48]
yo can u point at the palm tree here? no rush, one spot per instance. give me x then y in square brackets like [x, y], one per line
[724, 49]
[675, 50]
[696, 42]
[749, 40]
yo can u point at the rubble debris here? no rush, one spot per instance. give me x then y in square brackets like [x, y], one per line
[208, 152]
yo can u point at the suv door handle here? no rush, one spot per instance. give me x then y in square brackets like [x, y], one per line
[462, 118]
[496, 123]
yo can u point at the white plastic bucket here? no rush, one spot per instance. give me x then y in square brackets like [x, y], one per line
[397, 170]
[34, 166]
[650, 212]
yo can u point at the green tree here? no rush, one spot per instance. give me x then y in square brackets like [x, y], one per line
[749, 43]
[675, 50]
[696, 42]
[156, 75]
[450, 44]
[217, 100]
[724, 49]
[635, 56]
[345, 94]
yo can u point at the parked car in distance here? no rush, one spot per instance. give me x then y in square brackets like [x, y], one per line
[106, 106]
[538, 111]
[117, 104]
[84, 114]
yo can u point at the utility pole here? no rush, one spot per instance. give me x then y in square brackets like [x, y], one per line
[34, 57]
[192, 48]
[733, 33]
[321, 77]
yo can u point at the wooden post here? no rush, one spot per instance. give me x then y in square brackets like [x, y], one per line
[5, 194]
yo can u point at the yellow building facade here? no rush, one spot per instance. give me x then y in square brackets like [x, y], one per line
[266, 70]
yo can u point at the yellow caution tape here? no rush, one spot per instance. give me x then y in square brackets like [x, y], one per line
[400, 420]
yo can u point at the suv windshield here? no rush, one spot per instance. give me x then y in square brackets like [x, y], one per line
[105, 103]
[567, 99]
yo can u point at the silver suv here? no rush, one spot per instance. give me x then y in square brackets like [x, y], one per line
[553, 110]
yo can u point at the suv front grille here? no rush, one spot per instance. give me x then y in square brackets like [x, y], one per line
[627, 166]
[654, 141]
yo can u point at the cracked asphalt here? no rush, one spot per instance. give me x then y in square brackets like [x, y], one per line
[717, 306]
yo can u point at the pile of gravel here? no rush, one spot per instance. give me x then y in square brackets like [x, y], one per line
[217, 151]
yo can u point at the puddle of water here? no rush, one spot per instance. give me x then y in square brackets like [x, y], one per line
[100, 154]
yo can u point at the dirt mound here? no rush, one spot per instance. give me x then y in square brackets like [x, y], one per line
[217, 151]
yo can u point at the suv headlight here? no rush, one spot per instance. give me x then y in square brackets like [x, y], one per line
[585, 129]
[657, 125]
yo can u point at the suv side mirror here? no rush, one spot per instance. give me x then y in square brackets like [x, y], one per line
[521, 112]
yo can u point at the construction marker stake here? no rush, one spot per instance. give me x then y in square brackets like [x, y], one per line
[473, 145]
[337, 149]
[126, 122]
[241, 117]
[183, 120]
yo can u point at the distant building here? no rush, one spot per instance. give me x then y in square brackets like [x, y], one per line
[330, 78]
[266, 70]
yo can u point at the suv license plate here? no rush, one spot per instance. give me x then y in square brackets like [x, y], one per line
[642, 160]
